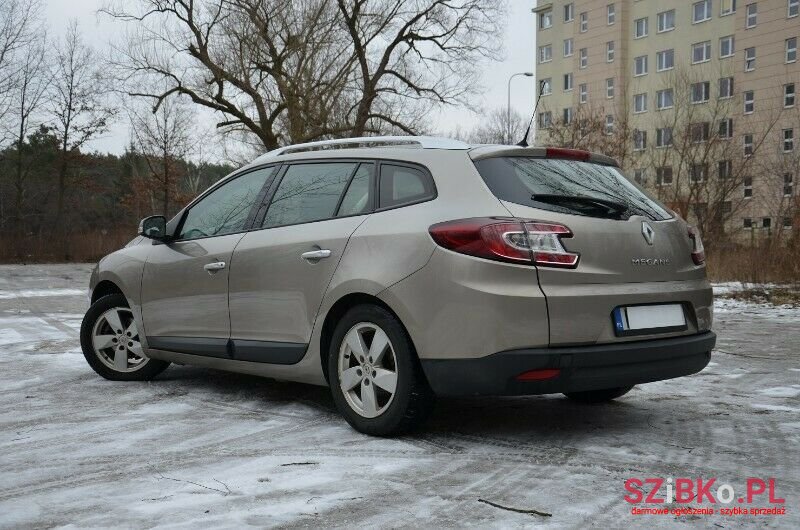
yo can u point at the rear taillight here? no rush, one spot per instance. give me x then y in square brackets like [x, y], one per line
[567, 154]
[698, 252]
[516, 241]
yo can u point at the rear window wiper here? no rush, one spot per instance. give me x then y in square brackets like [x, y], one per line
[564, 201]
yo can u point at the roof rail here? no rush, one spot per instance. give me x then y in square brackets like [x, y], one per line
[419, 142]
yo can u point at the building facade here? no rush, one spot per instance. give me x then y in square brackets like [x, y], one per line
[697, 99]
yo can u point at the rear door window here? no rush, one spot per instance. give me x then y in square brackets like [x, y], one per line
[358, 197]
[308, 192]
[568, 186]
[403, 185]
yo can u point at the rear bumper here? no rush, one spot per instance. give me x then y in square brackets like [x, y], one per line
[580, 367]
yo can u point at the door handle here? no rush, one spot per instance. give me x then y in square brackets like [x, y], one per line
[214, 267]
[316, 254]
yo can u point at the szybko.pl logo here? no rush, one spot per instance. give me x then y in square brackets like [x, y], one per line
[715, 497]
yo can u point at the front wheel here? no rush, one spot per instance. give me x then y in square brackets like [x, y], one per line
[111, 344]
[599, 396]
[376, 379]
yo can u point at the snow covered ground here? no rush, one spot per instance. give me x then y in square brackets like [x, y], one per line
[198, 447]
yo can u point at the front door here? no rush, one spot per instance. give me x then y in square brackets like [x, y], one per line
[281, 271]
[185, 281]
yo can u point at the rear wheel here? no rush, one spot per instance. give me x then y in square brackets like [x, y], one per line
[599, 396]
[111, 344]
[375, 376]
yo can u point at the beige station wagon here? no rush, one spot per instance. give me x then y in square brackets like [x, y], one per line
[396, 269]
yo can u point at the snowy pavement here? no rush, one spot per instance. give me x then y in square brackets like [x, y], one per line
[199, 447]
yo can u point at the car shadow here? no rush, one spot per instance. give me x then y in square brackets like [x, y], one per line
[539, 416]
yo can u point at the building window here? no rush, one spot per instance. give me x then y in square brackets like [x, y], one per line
[666, 21]
[545, 53]
[639, 140]
[567, 116]
[583, 93]
[546, 87]
[788, 184]
[665, 60]
[748, 145]
[727, 207]
[640, 28]
[728, 7]
[726, 129]
[791, 50]
[701, 52]
[701, 11]
[664, 99]
[611, 14]
[584, 57]
[747, 223]
[610, 51]
[569, 12]
[701, 92]
[609, 124]
[640, 65]
[726, 87]
[788, 140]
[747, 186]
[749, 102]
[610, 87]
[724, 169]
[545, 19]
[699, 132]
[751, 15]
[640, 103]
[584, 20]
[788, 95]
[787, 223]
[545, 120]
[567, 82]
[793, 8]
[766, 222]
[726, 46]
[749, 59]
[639, 177]
[664, 137]
[698, 172]
[567, 47]
[664, 176]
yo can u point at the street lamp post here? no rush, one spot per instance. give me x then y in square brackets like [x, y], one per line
[508, 106]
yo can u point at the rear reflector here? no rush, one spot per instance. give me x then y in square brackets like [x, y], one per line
[538, 375]
[511, 240]
[567, 154]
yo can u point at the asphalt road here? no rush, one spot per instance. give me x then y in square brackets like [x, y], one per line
[199, 447]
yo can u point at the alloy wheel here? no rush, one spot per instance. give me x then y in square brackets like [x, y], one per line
[115, 339]
[367, 369]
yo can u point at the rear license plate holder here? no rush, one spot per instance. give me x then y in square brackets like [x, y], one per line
[648, 319]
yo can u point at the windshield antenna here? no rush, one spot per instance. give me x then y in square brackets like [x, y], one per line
[524, 141]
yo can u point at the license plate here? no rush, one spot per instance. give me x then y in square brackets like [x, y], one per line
[643, 319]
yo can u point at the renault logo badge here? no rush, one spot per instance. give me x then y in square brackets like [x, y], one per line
[648, 233]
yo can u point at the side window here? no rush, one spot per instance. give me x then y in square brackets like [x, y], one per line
[308, 192]
[357, 199]
[403, 184]
[225, 210]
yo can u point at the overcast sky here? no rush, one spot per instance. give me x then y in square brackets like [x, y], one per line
[519, 41]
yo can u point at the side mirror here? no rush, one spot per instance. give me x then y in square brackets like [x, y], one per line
[154, 227]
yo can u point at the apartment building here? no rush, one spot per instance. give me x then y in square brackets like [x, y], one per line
[701, 94]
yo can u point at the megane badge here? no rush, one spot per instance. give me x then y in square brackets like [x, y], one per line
[648, 233]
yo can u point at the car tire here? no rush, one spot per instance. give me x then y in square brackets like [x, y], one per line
[370, 370]
[598, 396]
[110, 342]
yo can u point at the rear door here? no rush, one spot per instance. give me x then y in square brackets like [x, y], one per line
[185, 281]
[633, 251]
[281, 271]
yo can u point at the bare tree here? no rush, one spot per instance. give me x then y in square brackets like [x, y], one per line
[79, 110]
[164, 139]
[494, 127]
[310, 69]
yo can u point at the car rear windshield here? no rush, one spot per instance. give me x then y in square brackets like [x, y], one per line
[568, 186]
